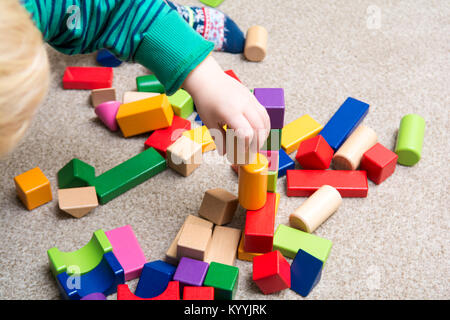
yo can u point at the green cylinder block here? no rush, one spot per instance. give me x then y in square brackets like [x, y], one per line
[410, 139]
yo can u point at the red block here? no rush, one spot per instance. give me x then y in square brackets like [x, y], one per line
[259, 227]
[315, 153]
[303, 183]
[88, 78]
[171, 293]
[379, 162]
[233, 75]
[198, 293]
[163, 138]
[271, 272]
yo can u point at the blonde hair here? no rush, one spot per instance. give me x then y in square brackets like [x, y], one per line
[24, 72]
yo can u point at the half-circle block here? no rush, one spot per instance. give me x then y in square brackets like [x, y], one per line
[83, 260]
[104, 278]
[172, 293]
[154, 279]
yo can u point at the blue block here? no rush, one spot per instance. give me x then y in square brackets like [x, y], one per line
[107, 59]
[285, 163]
[104, 278]
[198, 120]
[344, 121]
[154, 279]
[306, 271]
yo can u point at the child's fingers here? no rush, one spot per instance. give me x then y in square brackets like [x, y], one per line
[259, 128]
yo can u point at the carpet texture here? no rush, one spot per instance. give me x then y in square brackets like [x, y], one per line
[394, 244]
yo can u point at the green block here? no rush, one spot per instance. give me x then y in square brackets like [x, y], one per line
[272, 178]
[212, 3]
[273, 141]
[129, 174]
[149, 83]
[83, 260]
[289, 240]
[410, 139]
[224, 279]
[76, 174]
[182, 103]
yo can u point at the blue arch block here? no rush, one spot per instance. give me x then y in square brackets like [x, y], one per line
[107, 59]
[154, 279]
[104, 279]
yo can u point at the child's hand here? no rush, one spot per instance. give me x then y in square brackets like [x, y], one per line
[221, 100]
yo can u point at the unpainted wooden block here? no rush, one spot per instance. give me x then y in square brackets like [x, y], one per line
[218, 206]
[224, 244]
[256, 44]
[194, 242]
[132, 96]
[184, 156]
[98, 96]
[77, 202]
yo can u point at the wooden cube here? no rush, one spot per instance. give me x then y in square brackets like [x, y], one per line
[379, 162]
[33, 188]
[271, 272]
[218, 206]
[194, 242]
[224, 244]
[184, 156]
[98, 96]
[314, 153]
[77, 202]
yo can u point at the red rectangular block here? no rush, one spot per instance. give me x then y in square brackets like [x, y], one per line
[379, 162]
[198, 293]
[233, 75]
[163, 138]
[88, 78]
[303, 183]
[259, 227]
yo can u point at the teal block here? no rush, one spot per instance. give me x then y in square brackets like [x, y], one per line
[149, 83]
[76, 174]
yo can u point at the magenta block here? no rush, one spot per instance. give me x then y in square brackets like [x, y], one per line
[94, 296]
[107, 112]
[273, 100]
[191, 272]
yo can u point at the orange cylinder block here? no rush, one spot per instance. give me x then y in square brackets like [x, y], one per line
[253, 183]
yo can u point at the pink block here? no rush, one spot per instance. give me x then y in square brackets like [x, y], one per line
[272, 157]
[107, 112]
[127, 250]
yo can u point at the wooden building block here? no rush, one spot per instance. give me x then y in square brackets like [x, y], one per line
[232, 74]
[132, 96]
[212, 3]
[285, 163]
[171, 254]
[149, 83]
[346, 119]
[107, 112]
[259, 226]
[154, 279]
[273, 141]
[306, 271]
[77, 202]
[273, 157]
[106, 59]
[271, 272]
[87, 78]
[194, 241]
[171, 293]
[99, 96]
[224, 279]
[253, 183]
[289, 240]
[256, 44]
[161, 139]
[314, 153]
[273, 100]
[348, 156]
[75, 174]
[190, 272]
[127, 250]
[145, 115]
[182, 103]
[224, 244]
[244, 255]
[201, 136]
[198, 119]
[198, 293]
[184, 156]
[33, 188]
[410, 139]
[297, 131]
[94, 296]
[379, 163]
[272, 179]
[316, 209]
[218, 206]
[303, 183]
[128, 175]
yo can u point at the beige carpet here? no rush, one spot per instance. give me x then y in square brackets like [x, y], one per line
[394, 244]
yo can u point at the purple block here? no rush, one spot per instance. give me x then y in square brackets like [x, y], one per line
[191, 272]
[94, 296]
[273, 100]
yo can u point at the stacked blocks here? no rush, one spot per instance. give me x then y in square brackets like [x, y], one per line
[87, 78]
[297, 131]
[154, 279]
[273, 100]
[33, 188]
[224, 279]
[149, 83]
[190, 272]
[218, 206]
[76, 173]
[271, 272]
[77, 201]
[253, 183]
[107, 112]
[306, 271]
[314, 153]
[272, 175]
[273, 141]
[379, 162]
[182, 103]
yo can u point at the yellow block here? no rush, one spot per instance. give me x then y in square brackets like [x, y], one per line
[201, 136]
[298, 130]
[145, 115]
[253, 183]
[33, 188]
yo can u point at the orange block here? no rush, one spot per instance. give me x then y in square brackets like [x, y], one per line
[33, 188]
[145, 115]
[253, 183]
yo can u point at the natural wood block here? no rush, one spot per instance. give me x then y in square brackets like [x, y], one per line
[184, 156]
[33, 188]
[224, 244]
[256, 43]
[98, 96]
[218, 206]
[194, 241]
[77, 201]
[132, 96]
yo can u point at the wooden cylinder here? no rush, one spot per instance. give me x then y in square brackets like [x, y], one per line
[316, 209]
[410, 139]
[349, 155]
[256, 44]
[253, 183]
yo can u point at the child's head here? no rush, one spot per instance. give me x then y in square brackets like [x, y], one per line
[24, 72]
